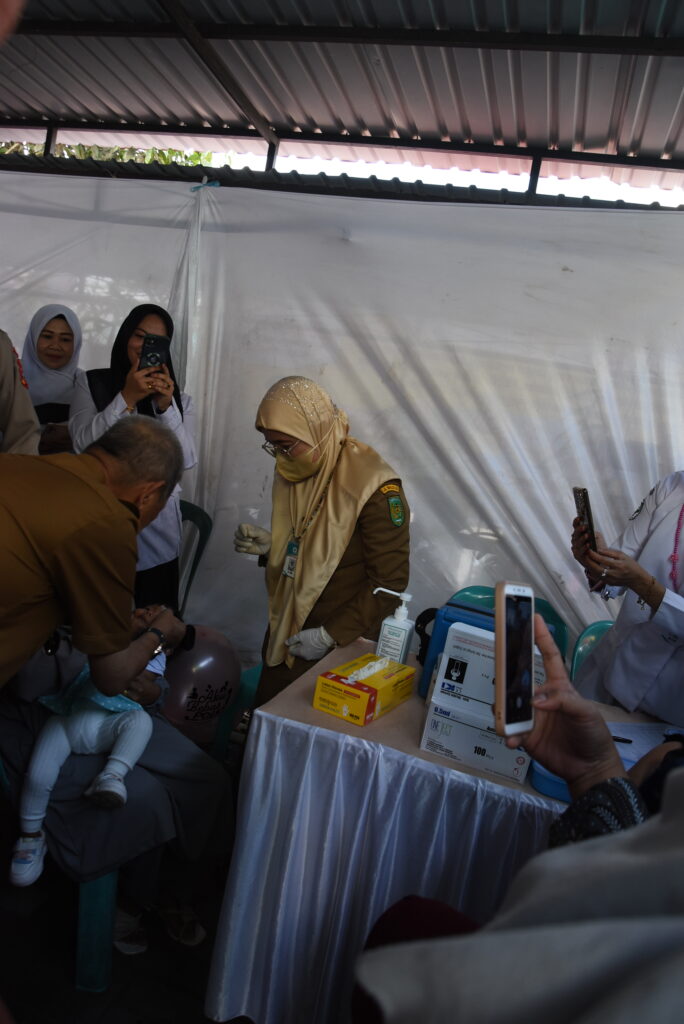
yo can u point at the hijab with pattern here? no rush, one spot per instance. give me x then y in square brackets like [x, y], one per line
[119, 363]
[45, 384]
[319, 512]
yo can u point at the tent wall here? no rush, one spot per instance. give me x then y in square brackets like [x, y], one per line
[494, 355]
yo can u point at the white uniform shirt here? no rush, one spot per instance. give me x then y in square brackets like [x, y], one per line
[160, 541]
[640, 661]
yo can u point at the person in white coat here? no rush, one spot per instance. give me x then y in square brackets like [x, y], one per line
[102, 397]
[639, 663]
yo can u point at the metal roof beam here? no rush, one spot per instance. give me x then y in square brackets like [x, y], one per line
[647, 46]
[218, 68]
[530, 153]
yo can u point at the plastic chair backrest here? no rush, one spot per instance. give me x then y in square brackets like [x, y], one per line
[587, 639]
[484, 597]
[194, 543]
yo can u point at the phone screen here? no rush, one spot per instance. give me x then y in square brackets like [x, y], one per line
[519, 655]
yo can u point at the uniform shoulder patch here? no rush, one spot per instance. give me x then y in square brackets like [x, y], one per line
[396, 510]
[638, 510]
[390, 488]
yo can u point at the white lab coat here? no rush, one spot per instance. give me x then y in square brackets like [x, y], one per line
[640, 661]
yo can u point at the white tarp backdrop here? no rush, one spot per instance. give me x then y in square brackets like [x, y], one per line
[495, 356]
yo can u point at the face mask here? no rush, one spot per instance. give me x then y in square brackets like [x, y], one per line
[299, 468]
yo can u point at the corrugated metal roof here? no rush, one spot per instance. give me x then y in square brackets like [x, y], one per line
[433, 82]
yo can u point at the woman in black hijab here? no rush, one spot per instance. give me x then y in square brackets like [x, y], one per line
[103, 397]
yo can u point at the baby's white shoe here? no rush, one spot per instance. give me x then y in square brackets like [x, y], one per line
[27, 859]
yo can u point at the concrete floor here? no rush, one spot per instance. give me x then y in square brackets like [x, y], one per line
[165, 985]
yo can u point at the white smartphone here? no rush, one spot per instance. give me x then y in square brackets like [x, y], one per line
[513, 658]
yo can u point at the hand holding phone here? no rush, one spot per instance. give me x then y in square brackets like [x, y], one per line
[583, 507]
[513, 658]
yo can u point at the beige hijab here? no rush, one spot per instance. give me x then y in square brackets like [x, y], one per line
[320, 511]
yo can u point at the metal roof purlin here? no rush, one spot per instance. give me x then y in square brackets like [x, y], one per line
[656, 46]
[349, 140]
[217, 67]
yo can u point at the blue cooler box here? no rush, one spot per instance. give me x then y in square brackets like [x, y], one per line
[454, 611]
[449, 613]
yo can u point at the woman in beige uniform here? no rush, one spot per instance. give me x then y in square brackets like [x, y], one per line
[339, 528]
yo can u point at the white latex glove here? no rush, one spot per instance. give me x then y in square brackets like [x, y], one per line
[252, 540]
[310, 644]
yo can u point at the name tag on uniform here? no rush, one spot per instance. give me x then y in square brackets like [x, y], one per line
[291, 559]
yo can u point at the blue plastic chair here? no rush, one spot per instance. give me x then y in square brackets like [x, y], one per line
[587, 639]
[484, 597]
[95, 936]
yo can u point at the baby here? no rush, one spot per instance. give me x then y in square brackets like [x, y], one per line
[85, 722]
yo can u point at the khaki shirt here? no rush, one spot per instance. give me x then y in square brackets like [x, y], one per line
[67, 556]
[19, 427]
[377, 556]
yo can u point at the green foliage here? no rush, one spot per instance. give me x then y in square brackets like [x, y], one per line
[119, 153]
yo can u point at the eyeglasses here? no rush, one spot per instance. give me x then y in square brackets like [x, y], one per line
[274, 448]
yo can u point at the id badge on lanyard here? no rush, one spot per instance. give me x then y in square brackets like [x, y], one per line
[290, 563]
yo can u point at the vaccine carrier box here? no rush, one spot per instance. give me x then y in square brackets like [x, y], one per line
[363, 689]
[459, 723]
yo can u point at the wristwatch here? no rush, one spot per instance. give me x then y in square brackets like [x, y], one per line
[162, 639]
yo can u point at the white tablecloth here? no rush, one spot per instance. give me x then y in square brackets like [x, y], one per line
[336, 823]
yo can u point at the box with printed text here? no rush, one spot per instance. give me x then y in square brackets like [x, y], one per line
[363, 689]
[459, 723]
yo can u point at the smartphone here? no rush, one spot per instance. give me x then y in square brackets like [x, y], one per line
[513, 658]
[154, 352]
[581, 496]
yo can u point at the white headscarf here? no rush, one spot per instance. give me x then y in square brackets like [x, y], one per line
[46, 385]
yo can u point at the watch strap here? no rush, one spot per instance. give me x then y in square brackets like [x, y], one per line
[158, 633]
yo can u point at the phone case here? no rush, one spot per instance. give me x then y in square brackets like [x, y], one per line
[583, 507]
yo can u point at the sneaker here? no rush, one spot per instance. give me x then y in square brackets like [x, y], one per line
[27, 859]
[107, 790]
[130, 938]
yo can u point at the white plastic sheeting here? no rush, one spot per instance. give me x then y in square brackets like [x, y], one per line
[494, 355]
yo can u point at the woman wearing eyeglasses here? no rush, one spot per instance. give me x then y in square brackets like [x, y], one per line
[339, 528]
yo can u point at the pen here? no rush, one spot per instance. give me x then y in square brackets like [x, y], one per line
[621, 739]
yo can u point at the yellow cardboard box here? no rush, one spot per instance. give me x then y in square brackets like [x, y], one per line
[363, 689]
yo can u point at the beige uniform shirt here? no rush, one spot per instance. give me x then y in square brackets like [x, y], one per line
[19, 427]
[67, 556]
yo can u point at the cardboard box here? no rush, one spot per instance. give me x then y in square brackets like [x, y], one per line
[448, 733]
[459, 723]
[382, 685]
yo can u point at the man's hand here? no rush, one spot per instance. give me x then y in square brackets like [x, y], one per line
[252, 540]
[310, 644]
[569, 738]
[172, 628]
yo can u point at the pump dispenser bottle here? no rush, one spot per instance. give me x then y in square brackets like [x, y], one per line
[396, 630]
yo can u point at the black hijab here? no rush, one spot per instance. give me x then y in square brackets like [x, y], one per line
[119, 364]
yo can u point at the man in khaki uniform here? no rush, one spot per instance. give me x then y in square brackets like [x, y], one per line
[19, 427]
[68, 528]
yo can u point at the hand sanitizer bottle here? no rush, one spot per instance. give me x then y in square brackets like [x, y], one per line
[396, 630]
